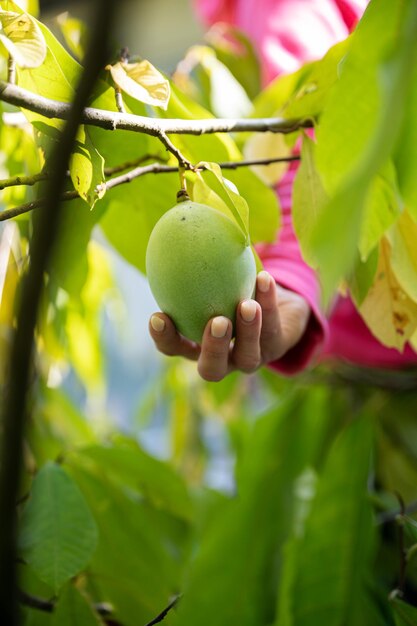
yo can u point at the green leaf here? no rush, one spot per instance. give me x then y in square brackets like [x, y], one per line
[22, 38]
[363, 276]
[209, 81]
[73, 609]
[133, 467]
[309, 199]
[248, 531]
[58, 534]
[239, 210]
[410, 526]
[137, 566]
[74, 32]
[141, 81]
[403, 238]
[405, 614]
[87, 168]
[405, 153]
[332, 560]
[359, 128]
[133, 210]
[382, 207]
[310, 97]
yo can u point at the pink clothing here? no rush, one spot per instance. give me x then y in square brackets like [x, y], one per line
[287, 33]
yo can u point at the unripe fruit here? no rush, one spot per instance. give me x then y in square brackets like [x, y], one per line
[199, 266]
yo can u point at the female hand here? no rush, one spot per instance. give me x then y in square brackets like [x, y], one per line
[266, 328]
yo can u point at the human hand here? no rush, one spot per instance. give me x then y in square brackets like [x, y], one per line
[266, 328]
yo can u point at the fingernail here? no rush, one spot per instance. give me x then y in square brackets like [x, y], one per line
[248, 310]
[264, 280]
[157, 323]
[219, 326]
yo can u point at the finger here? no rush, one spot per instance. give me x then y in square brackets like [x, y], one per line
[271, 340]
[246, 354]
[213, 364]
[168, 340]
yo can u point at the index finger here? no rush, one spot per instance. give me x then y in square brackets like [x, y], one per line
[169, 341]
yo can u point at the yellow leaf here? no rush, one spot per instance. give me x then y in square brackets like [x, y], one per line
[142, 81]
[388, 311]
[403, 238]
[267, 146]
[22, 39]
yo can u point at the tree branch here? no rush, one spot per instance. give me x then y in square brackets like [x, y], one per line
[46, 228]
[110, 120]
[152, 168]
[16, 181]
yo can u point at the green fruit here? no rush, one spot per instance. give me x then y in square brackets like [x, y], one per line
[198, 266]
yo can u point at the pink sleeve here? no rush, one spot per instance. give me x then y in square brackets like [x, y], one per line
[284, 262]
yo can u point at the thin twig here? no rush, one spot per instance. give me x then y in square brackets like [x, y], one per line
[164, 139]
[16, 181]
[164, 613]
[152, 168]
[47, 606]
[109, 171]
[401, 545]
[119, 100]
[11, 70]
[110, 120]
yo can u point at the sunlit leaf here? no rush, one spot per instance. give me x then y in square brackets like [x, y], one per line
[142, 81]
[22, 39]
[239, 210]
[267, 146]
[87, 168]
[28, 6]
[387, 309]
[58, 534]
[74, 32]
[210, 82]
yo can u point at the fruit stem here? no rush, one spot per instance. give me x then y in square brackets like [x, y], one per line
[182, 195]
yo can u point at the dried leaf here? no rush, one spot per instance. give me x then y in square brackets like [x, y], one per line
[387, 309]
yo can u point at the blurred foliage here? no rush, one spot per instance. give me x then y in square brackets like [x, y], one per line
[314, 517]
